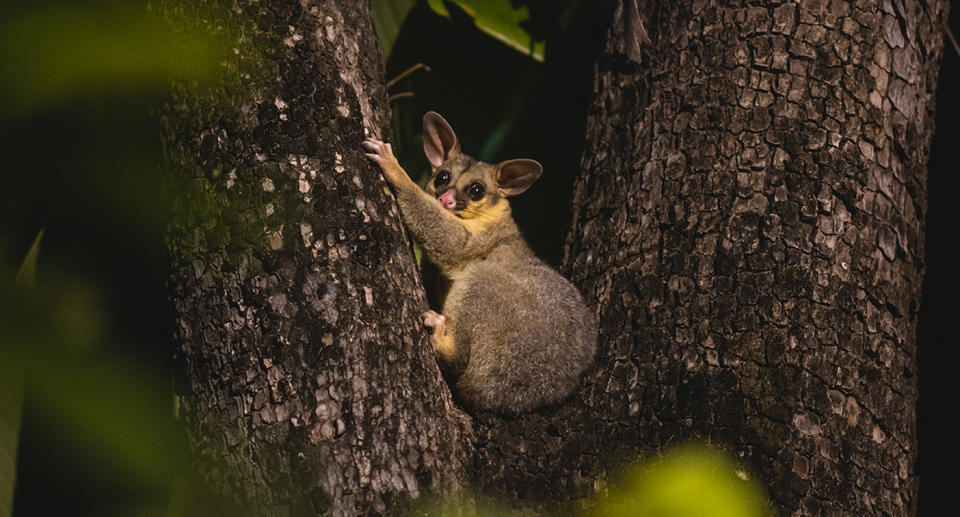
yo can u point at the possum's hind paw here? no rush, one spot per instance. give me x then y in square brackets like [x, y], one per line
[435, 324]
[442, 342]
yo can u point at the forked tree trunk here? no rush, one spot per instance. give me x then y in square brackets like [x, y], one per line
[748, 225]
[309, 386]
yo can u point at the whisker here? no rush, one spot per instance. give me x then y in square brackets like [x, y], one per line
[479, 214]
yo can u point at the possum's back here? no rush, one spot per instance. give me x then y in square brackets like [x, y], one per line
[529, 333]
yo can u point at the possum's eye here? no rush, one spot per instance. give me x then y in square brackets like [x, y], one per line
[476, 191]
[443, 177]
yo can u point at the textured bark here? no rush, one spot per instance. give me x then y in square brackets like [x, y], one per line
[309, 385]
[750, 222]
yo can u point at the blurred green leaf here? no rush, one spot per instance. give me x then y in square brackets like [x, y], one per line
[54, 54]
[499, 19]
[11, 395]
[692, 480]
[491, 148]
[418, 255]
[439, 8]
[111, 411]
[388, 17]
[28, 269]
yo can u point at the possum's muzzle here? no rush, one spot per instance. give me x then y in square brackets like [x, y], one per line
[448, 200]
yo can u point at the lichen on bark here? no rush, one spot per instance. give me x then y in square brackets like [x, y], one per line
[308, 384]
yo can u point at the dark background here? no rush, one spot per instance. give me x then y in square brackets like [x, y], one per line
[85, 169]
[937, 341]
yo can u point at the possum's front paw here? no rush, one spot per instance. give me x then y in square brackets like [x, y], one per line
[382, 154]
[442, 342]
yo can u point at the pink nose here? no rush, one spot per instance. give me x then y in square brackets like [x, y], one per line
[447, 200]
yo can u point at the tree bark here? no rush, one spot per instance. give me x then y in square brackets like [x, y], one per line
[750, 222]
[748, 226]
[308, 386]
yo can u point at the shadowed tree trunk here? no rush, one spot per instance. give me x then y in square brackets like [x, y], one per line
[308, 384]
[750, 223]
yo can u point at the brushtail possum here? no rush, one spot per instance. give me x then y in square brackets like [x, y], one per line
[513, 333]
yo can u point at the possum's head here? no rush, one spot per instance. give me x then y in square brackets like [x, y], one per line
[467, 187]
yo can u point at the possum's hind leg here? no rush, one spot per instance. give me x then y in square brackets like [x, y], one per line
[441, 338]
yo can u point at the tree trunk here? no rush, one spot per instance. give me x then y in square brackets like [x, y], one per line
[309, 385]
[748, 225]
[750, 222]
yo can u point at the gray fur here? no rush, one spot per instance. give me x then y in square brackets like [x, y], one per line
[521, 332]
[526, 329]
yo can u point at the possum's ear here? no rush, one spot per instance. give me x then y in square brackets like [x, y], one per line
[516, 176]
[439, 140]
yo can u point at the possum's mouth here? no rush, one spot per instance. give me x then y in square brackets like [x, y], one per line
[457, 209]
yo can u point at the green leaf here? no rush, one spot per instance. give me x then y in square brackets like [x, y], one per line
[109, 409]
[692, 480]
[11, 396]
[68, 51]
[499, 19]
[388, 17]
[491, 148]
[28, 269]
[439, 8]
